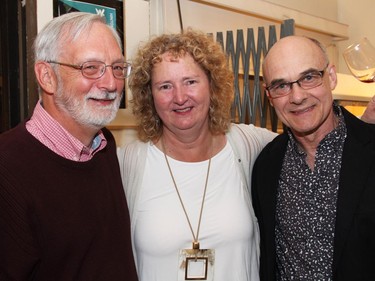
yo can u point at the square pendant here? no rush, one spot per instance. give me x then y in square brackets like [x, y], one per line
[196, 269]
[196, 264]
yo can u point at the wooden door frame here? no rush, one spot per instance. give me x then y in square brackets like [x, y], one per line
[18, 93]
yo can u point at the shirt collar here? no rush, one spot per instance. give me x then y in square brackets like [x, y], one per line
[49, 132]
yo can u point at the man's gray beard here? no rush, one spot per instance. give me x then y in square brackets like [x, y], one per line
[78, 107]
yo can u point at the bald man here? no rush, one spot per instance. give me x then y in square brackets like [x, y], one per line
[314, 185]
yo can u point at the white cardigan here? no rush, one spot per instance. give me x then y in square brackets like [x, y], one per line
[246, 140]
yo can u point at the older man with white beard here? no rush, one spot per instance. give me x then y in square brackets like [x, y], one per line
[63, 213]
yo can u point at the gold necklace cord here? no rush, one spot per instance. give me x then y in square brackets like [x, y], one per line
[179, 196]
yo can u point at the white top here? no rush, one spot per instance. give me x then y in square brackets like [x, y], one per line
[162, 228]
[246, 142]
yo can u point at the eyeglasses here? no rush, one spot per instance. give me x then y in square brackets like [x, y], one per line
[307, 81]
[96, 69]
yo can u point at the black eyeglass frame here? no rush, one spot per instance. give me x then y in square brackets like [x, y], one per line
[81, 68]
[298, 82]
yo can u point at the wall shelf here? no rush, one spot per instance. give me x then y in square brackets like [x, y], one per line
[276, 13]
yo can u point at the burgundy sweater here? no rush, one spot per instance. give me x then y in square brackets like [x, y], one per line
[61, 219]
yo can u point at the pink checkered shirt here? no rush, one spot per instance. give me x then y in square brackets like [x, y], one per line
[50, 133]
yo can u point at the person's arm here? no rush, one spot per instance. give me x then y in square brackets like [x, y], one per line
[369, 114]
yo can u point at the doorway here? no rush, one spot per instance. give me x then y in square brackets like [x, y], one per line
[18, 90]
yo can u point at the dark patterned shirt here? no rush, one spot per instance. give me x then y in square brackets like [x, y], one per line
[306, 208]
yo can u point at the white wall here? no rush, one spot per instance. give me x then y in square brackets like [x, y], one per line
[324, 8]
[44, 12]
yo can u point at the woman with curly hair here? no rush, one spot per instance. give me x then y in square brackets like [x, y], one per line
[187, 178]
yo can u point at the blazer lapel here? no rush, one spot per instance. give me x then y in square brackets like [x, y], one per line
[271, 182]
[267, 197]
[356, 162]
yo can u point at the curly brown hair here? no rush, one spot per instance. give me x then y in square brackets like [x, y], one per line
[211, 58]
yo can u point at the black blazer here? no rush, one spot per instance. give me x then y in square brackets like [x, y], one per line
[354, 243]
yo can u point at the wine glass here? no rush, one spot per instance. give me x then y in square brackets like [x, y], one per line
[360, 59]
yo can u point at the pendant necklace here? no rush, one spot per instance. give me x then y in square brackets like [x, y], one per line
[195, 263]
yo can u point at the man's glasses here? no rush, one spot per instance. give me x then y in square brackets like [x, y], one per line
[307, 81]
[96, 69]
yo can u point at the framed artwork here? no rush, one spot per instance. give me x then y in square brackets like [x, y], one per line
[112, 10]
